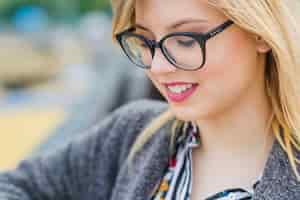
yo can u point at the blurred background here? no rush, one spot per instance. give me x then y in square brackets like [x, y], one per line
[59, 74]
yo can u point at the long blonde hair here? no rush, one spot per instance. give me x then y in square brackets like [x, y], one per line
[275, 21]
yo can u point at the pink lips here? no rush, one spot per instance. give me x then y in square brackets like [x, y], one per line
[175, 97]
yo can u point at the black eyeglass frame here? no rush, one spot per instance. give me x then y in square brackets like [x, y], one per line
[201, 38]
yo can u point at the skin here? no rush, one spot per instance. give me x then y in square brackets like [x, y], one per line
[230, 105]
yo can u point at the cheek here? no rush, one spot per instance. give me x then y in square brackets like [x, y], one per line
[229, 71]
[228, 74]
[232, 62]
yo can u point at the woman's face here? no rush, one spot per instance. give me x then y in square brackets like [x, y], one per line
[232, 70]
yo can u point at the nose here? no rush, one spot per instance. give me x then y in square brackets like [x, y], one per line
[160, 64]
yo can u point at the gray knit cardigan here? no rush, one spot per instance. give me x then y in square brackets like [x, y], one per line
[92, 166]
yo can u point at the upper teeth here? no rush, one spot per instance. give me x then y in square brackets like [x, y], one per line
[180, 88]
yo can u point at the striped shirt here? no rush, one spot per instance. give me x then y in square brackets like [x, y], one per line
[177, 181]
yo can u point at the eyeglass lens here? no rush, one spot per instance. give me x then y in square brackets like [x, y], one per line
[182, 51]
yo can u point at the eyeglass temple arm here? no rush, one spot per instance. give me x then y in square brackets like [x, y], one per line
[219, 29]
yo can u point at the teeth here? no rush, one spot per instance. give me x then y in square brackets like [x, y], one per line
[179, 89]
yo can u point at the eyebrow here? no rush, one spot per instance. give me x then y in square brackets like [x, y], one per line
[176, 24]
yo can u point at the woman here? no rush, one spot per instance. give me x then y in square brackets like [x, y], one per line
[228, 70]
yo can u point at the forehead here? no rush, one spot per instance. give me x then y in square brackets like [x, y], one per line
[164, 11]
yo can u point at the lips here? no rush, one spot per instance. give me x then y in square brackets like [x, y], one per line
[180, 97]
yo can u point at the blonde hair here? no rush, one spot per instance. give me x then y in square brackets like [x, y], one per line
[275, 21]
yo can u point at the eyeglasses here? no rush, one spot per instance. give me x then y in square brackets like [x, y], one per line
[184, 50]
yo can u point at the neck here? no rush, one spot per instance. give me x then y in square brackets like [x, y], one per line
[244, 129]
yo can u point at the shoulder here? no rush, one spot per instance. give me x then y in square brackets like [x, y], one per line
[130, 115]
[143, 108]
[133, 116]
[136, 115]
[279, 180]
[110, 138]
[123, 125]
[93, 155]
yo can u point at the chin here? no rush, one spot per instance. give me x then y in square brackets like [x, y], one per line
[194, 113]
[185, 113]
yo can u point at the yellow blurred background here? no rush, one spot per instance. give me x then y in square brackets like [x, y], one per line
[23, 130]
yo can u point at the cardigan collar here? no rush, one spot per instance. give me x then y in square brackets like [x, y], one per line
[277, 182]
[278, 179]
